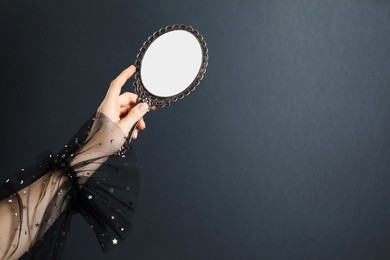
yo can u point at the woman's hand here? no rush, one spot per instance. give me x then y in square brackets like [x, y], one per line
[120, 107]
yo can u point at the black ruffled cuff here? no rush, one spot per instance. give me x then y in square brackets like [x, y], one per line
[106, 197]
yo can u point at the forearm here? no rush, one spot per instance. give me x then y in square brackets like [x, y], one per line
[23, 213]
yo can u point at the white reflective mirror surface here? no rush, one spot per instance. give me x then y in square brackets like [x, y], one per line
[171, 63]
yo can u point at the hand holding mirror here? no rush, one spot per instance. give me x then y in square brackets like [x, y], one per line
[169, 66]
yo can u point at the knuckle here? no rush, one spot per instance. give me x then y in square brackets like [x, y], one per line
[112, 83]
[135, 112]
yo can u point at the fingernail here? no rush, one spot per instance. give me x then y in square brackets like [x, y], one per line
[143, 107]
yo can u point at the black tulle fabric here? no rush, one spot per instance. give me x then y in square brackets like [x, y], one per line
[103, 189]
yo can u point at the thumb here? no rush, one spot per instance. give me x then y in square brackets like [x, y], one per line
[134, 115]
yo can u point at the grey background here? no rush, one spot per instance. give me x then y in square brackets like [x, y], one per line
[281, 153]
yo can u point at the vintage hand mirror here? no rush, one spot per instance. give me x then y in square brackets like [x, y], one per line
[169, 66]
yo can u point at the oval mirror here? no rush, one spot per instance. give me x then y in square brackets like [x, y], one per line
[169, 65]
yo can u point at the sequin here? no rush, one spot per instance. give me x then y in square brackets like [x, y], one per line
[21, 181]
[114, 241]
[89, 197]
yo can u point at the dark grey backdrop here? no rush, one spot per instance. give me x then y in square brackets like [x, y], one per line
[281, 153]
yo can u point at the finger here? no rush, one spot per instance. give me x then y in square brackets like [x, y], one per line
[117, 84]
[135, 134]
[127, 98]
[135, 114]
[141, 125]
[124, 110]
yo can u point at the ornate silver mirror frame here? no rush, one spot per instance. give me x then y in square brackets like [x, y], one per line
[157, 102]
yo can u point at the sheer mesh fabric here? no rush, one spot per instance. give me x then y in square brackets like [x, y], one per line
[85, 177]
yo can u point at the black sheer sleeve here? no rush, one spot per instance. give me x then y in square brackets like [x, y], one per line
[85, 177]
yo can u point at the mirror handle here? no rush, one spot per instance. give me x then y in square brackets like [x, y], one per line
[125, 146]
